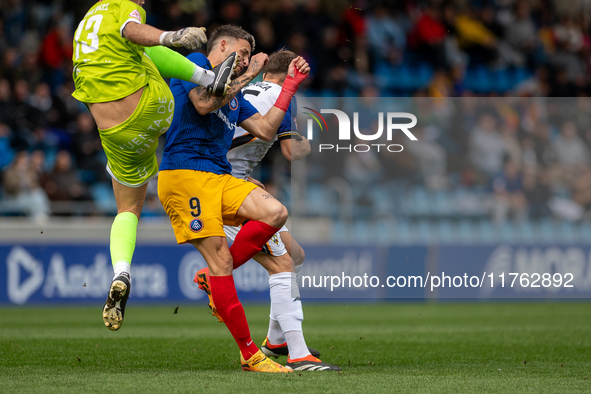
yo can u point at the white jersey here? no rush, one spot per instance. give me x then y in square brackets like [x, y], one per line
[247, 150]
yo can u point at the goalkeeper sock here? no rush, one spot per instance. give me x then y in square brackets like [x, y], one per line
[123, 235]
[250, 240]
[201, 76]
[223, 294]
[288, 312]
[171, 64]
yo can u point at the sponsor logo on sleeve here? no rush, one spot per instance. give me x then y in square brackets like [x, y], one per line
[135, 14]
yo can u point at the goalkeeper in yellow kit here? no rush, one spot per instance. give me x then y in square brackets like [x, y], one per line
[119, 63]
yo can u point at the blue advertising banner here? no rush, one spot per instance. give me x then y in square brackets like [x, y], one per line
[405, 271]
[83, 273]
[513, 271]
[342, 272]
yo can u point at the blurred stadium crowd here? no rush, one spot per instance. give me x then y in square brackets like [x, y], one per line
[524, 166]
[480, 164]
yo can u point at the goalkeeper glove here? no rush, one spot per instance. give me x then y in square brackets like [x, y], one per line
[189, 37]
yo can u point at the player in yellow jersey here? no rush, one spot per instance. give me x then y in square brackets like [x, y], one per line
[119, 62]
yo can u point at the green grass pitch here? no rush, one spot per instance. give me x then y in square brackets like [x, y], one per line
[459, 347]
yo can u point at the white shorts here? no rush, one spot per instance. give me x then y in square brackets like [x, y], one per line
[274, 247]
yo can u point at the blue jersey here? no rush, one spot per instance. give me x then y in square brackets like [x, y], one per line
[201, 142]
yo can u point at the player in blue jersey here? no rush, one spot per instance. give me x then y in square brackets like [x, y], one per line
[198, 191]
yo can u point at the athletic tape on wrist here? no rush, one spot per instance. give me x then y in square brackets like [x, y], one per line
[161, 39]
[290, 86]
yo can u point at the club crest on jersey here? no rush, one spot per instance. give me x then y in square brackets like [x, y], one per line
[233, 104]
[275, 239]
[135, 14]
[196, 225]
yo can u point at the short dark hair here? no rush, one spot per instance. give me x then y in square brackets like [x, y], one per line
[279, 62]
[229, 31]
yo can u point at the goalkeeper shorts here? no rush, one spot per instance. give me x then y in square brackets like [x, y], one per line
[131, 146]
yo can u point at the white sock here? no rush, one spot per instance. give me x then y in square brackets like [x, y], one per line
[203, 77]
[288, 312]
[296, 344]
[122, 266]
[275, 334]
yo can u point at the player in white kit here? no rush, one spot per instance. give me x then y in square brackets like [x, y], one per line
[285, 336]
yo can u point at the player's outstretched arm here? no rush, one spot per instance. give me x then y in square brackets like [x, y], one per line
[296, 148]
[265, 127]
[148, 36]
[205, 102]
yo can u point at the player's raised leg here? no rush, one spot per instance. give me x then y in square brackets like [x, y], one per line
[171, 64]
[266, 216]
